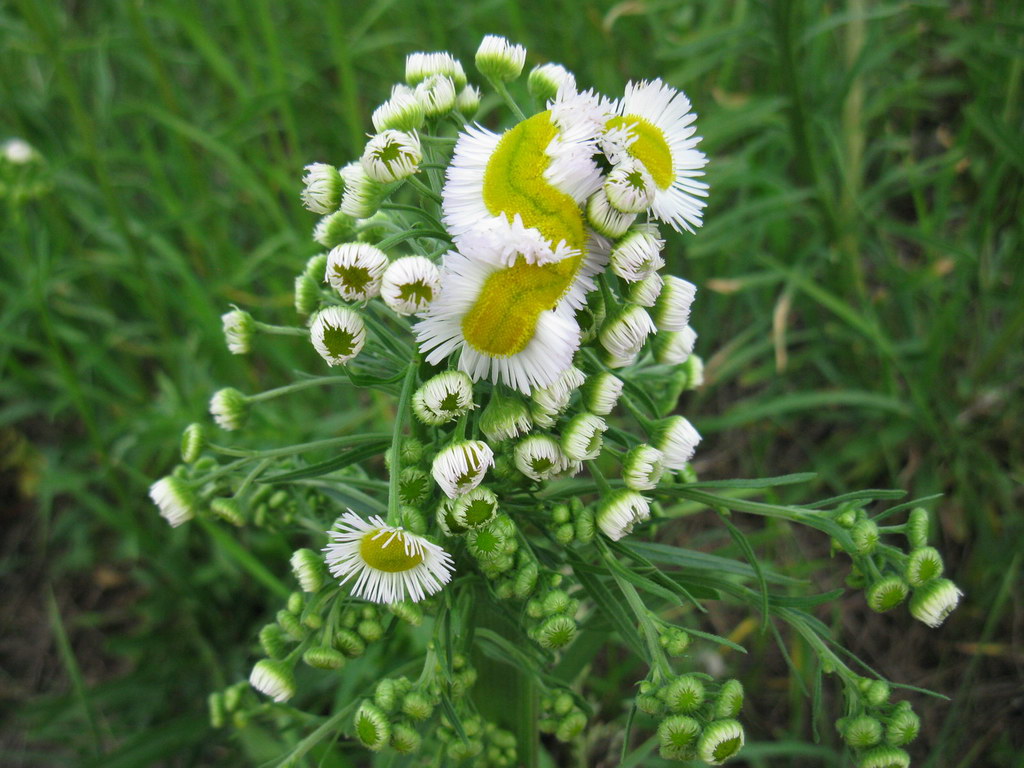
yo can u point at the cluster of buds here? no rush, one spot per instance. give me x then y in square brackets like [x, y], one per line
[562, 716]
[876, 729]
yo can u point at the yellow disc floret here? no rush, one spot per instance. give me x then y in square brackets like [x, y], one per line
[386, 551]
[649, 147]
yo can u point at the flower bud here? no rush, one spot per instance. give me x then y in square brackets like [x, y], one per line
[525, 581]
[410, 613]
[917, 527]
[371, 727]
[460, 466]
[887, 593]
[273, 678]
[467, 103]
[193, 440]
[385, 695]
[863, 731]
[730, 699]
[363, 194]
[923, 565]
[338, 334]
[902, 729]
[323, 187]
[683, 695]
[623, 335]
[884, 757]
[601, 392]
[605, 219]
[677, 440]
[475, 508]
[417, 706]
[228, 510]
[933, 602]
[322, 657]
[239, 328]
[540, 457]
[290, 623]
[229, 408]
[405, 739]
[402, 112]
[582, 437]
[410, 284]
[650, 704]
[443, 398]
[556, 632]
[585, 526]
[675, 348]
[677, 737]
[273, 641]
[630, 189]
[719, 741]
[218, 712]
[546, 79]
[877, 693]
[331, 231]
[506, 417]
[642, 467]
[370, 630]
[674, 640]
[309, 569]
[437, 94]
[571, 726]
[174, 498]
[865, 537]
[392, 156]
[499, 60]
[349, 643]
[672, 310]
[620, 511]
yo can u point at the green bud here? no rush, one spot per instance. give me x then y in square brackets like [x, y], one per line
[349, 643]
[385, 695]
[414, 487]
[677, 737]
[561, 514]
[884, 757]
[322, 657]
[585, 526]
[565, 533]
[193, 440]
[719, 741]
[571, 726]
[465, 750]
[273, 678]
[233, 695]
[933, 602]
[228, 510]
[410, 613]
[862, 731]
[487, 543]
[290, 623]
[917, 527]
[847, 518]
[370, 630]
[730, 700]
[674, 640]
[865, 537]
[371, 727]
[218, 712]
[417, 706]
[563, 704]
[877, 693]
[413, 520]
[295, 603]
[534, 608]
[902, 729]
[885, 594]
[556, 632]
[683, 695]
[650, 704]
[405, 739]
[923, 565]
[556, 601]
[309, 569]
[273, 641]
[525, 581]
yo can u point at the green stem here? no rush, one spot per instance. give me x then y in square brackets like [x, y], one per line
[296, 387]
[424, 190]
[280, 330]
[507, 97]
[330, 442]
[396, 439]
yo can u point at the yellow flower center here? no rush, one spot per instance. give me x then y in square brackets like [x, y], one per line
[649, 147]
[504, 317]
[385, 551]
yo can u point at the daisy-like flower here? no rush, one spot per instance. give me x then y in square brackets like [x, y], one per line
[338, 334]
[419, 66]
[355, 270]
[229, 408]
[174, 499]
[629, 186]
[437, 94]
[363, 194]
[672, 310]
[546, 80]
[392, 155]
[674, 347]
[540, 457]
[933, 602]
[443, 397]
[506, 417]
[620, 511]
[322, 188]
[719, 741]
[499, 60]
[402, 112]
[637, 256]
[460, 466]
[677, 440]
[274, 678]
[583, 437]
[646, 291]
[654, 125]
[238, 330]
[606, 219]
[642, 467]
[389, 564]
[409, 284]
[624, 336]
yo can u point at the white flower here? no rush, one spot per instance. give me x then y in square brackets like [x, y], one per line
[323, 188]
[655, 126]
[933, 602]
[582, 438]
[468, 101]
[547, 79]
[604, 218]
[674, 347]
[363, 194]
[229, 408]
[338, 334]
[355, 270]
[392, 155]
[174, 499]
[602, 392]
[459, 467]
[389, 563]
[540, 457]
[629, 186]
[437, 95]
[402, 112]
[18, 152]
[443, 398]
[420, 66]
[498, 59]
[719, 741]
[677, 440]
[643, 467]
[646, 291]
[409, 284]
[624, 336]
[273, 678]
[238, 329]
[503, 242]
[620, 511]
[637, 256]
[672, 310]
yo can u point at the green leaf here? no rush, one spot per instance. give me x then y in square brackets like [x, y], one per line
[353, 456]
[610, 604]
[757, 482]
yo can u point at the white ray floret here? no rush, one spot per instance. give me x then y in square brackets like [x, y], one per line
[392, 155]
[637, 256]
[355, 270]
[410, 284]
[460, 466]
[624, 336]
[388, 563]
[620, 511]
[672, 310]
[338, 334]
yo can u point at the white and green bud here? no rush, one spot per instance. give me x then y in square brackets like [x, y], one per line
[499, 60]
[338, 334]
[933, 602]
[637, 256]
[582, 438]
[334, 229]
[642, 467]
[917, 527]
[923, 565]
[443, 398]
[290, 623]
[17, 151]
[902, 728]
[307, 295]
[865, 537]
[684, 695]
[402, 112]
[405, 739]
[674, 347]
[677, 440]
[410, 284]
[620, 511]
[623, 335]
[488, 544]
[419, 66]
[730, 699]
[719, 741]
[413, 487]
[355, 270]
[863, 731]
[545, 80]
[370, 630]
[556, 632]
[229, 408]
[437, 94]
[323, 188]
[672, 310]
[386, 695]
[884, 757]
[602, 392]
[677, 737]
[506, 417]
[371, 726]
[323, 657]
[540, 457]
[526, 581]
[228, 510]
[238, 330]
[605, 219]
[630, 187]
[273, 678]
[585, 526]
[694, 367]
[193, 440]
[886, 593]
[645, 292]
[309, 569]
[475, 508]
[467, 103]
[650, 704]
[363, 194]
[392, 156]
[460, 466]
[174, 498]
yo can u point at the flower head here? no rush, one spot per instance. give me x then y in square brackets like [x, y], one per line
[238, 330]
[645, 292]
[506, 417]
[624, 335]
[540, 457]
[323, 187]
[355, 270]
[229, 408]
[719, 741]
[392, 155]
[642, 467]
[274, 678]
[174, 499]
[389, 564]
[338, 334]
[437, 95]
[672, 310]
[499, 60]
[443, 397]
[582, 438]
[420, 66]
[363, 194]
[606, 219]
[546, 80]
[409, 284]
[933, 602]
[602, 392]
[460, 466]
[620, 511]
[677, 440]
[629, 186]
[674, 347]
[637, 256]
[402, 112]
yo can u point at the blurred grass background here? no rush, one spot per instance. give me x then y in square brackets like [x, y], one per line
[861, 315]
